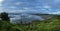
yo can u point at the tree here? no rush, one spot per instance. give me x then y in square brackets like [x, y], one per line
[4, 16]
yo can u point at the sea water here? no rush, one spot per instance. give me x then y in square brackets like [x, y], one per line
[17, 18]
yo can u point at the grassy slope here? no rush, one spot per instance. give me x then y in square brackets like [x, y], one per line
[52, 24]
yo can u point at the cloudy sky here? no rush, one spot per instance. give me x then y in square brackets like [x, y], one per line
[30, 6]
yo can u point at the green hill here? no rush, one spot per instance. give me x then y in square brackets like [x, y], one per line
[52, 24]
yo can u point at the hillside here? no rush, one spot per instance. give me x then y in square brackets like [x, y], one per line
[52, 24]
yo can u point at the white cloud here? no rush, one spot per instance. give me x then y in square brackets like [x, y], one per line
[12, 7]
[57, 13]
[18, 3]
[46, 6]
[26, 8]
[1, 9]
[1, 2]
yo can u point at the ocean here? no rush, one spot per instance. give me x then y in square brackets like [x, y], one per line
[18, 17]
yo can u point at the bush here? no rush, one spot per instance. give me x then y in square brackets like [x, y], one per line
[4, 16]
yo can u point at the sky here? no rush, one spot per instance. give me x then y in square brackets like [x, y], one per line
[30, 6]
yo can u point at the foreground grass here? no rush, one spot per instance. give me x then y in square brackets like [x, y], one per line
[52, 24]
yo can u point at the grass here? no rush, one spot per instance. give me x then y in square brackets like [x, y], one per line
[52, 24]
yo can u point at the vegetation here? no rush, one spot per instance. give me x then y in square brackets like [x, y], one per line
[52, 24]
[4, 16]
